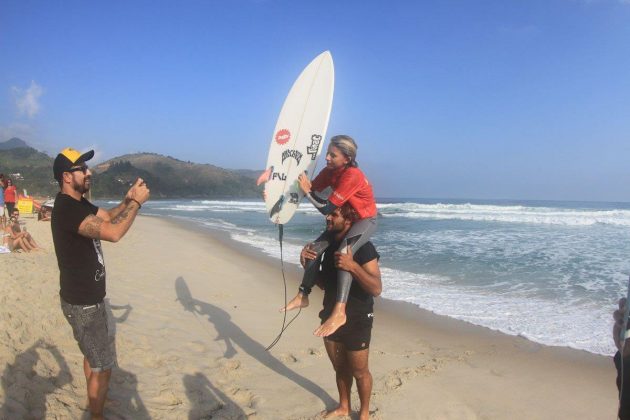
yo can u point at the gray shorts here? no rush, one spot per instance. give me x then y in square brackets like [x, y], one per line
[90, 328]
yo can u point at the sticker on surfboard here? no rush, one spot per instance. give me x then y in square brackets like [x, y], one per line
[298, 137]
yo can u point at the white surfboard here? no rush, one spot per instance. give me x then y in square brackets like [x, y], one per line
[298, 138]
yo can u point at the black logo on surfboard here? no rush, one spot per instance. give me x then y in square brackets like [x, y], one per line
[292, 153]
[316, 139]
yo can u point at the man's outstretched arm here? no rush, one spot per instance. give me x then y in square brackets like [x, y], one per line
[112, 230]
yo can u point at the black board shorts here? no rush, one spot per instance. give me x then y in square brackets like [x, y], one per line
[355, 334]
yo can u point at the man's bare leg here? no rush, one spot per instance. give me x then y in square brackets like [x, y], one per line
[87, 371]
[299, 301]
[97, 387]
[343, 376]
[336, 319]
[358, 361]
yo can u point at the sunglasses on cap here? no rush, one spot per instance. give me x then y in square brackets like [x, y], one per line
[82, 168]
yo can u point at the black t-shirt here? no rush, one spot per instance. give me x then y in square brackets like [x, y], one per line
[80, 259]
[360, 303]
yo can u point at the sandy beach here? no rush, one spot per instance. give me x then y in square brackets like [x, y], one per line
[193, 314]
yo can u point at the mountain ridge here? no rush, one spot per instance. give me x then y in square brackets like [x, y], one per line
[167, 176]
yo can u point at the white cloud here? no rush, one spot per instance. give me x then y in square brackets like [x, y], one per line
[27, 100]
[99, 155]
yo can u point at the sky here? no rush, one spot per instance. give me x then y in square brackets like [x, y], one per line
[446, 99]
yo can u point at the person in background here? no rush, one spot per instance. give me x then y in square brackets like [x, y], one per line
[44, 214]
[10, 196]
[3, 220]
[18, 238]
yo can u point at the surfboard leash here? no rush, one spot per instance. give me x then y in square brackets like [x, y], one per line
[284, 280]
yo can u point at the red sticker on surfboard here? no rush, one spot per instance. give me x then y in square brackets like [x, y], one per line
[283, 136]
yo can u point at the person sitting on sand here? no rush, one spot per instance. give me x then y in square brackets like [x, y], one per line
[16, 238]
[44, 214]
[348, 346]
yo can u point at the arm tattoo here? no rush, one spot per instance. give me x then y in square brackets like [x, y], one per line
[113, 212]
[121, 216]
[91, 227]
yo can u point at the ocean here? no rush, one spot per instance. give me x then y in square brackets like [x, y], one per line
[548, 271]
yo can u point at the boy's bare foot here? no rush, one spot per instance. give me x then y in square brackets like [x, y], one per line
[299, 301]
[337, 412]
[332, 324]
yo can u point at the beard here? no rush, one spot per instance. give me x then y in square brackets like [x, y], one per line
[82, 187]
[334, 228]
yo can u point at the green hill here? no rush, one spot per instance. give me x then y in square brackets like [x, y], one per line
[166, 176]
[29, 169]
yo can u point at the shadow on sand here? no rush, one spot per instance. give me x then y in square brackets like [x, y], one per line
[232, 335]
[25, 390]
[206, 401]
[123, 387]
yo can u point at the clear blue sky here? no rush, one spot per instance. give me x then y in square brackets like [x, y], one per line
[452, 99]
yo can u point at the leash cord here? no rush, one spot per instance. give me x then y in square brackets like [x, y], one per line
[284, 318]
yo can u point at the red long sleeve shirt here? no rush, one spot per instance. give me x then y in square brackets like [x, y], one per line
[349, 185]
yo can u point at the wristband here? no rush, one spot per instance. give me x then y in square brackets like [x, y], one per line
[137, 202]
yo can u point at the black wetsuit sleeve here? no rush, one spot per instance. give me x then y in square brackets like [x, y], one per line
[325, 207]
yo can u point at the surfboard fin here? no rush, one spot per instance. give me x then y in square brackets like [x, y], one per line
[264, 177]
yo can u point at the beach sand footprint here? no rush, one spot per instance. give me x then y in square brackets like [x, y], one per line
[397, 378]
[288, 358]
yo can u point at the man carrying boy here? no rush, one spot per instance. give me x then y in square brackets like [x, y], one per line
[348, 347]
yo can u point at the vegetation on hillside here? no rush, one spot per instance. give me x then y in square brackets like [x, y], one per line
[29, 169]
[166, 176]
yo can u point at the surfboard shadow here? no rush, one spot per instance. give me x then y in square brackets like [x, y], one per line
[234, 336]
